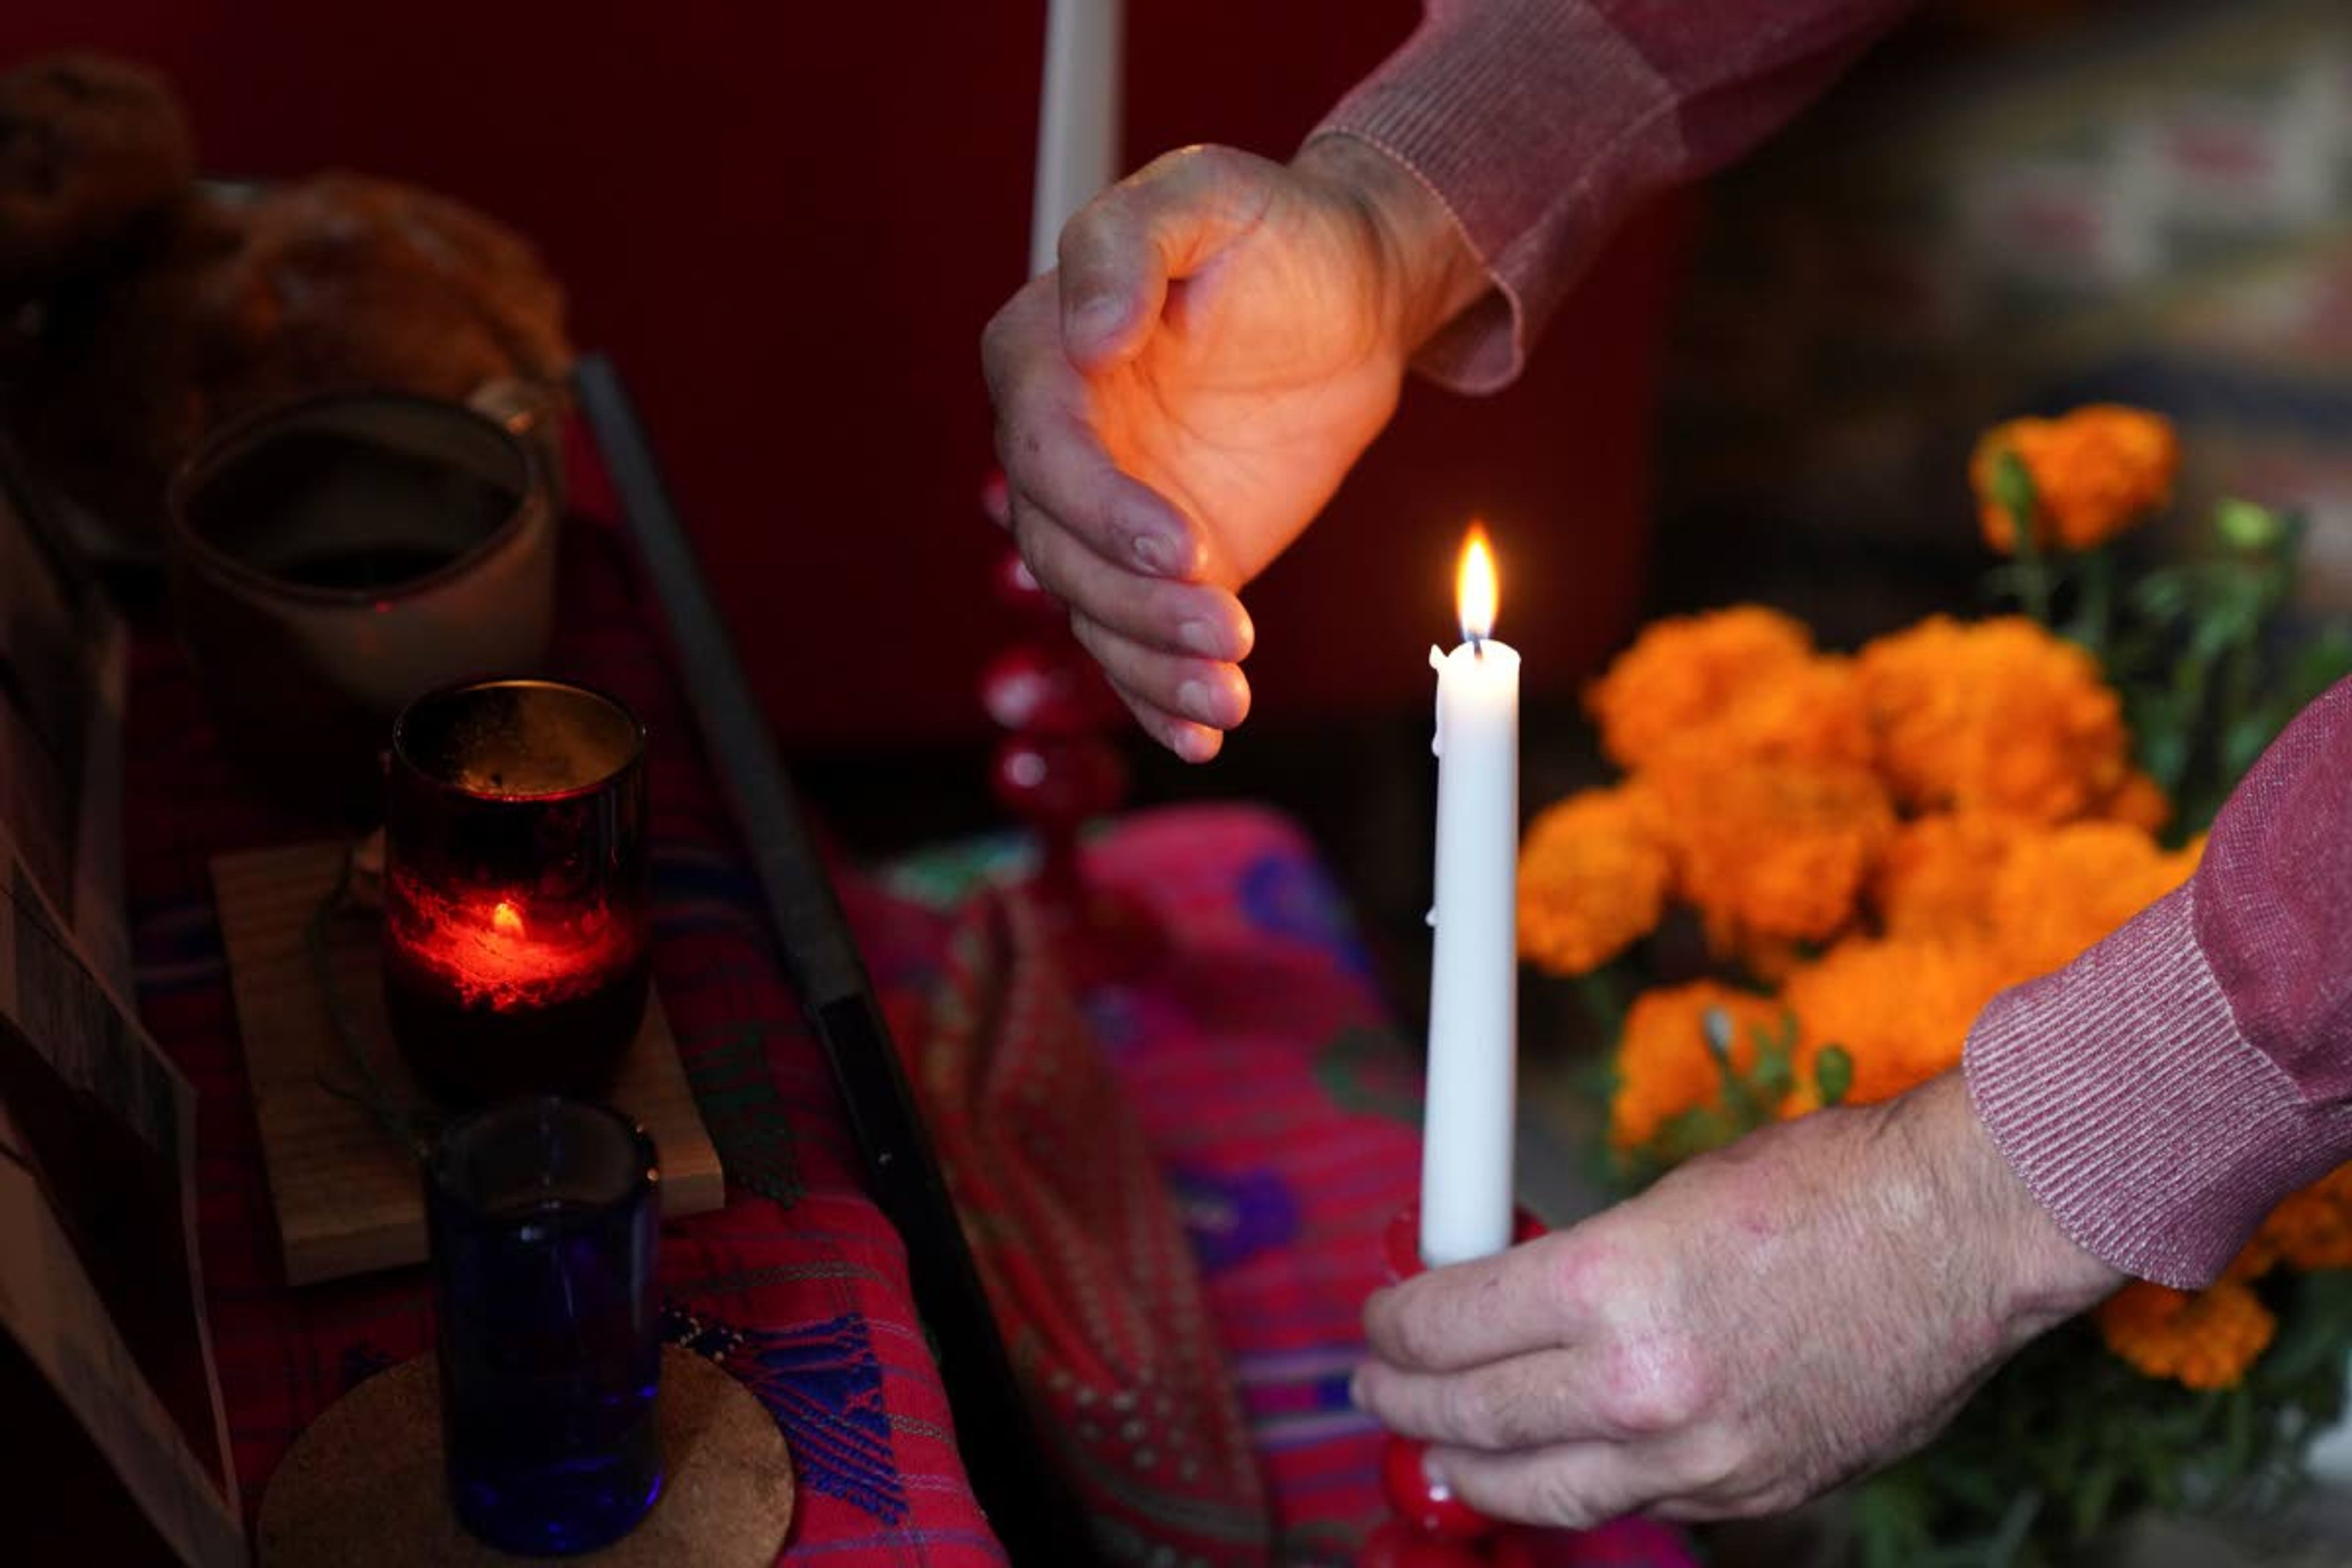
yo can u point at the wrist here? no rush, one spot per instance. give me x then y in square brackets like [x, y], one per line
[1429, 271]
[2036, 1275]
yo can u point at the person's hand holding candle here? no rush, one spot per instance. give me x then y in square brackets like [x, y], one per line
[1762, 1324]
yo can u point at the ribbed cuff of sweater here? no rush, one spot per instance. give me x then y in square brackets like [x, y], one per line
[2123, 1093]
[1530, 120]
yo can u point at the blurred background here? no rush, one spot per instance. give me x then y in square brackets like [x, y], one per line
[788, 224]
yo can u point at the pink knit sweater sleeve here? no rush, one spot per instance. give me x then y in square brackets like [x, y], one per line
[1541, 123]
[2162, 1092]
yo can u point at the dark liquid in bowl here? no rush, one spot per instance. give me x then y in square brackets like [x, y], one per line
[338, 509]
[368, 566]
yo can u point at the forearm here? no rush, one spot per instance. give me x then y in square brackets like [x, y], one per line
[1540, 123]
[2163, 1091]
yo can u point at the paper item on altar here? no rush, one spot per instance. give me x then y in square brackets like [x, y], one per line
[101, 1300]
[63, 657]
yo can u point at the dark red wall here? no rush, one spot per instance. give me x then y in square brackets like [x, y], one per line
[788, 224]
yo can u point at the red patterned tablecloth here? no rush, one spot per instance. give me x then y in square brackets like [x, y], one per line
[798, 1285]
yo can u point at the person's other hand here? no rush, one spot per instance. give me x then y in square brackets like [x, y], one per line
[1814, 1301]
[1224, 336]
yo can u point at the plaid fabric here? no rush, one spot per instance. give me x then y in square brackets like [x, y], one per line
[1082, 1251]
[1281, 1108]
[798, 1286]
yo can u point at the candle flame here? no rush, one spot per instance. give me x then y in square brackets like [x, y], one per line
[506, 920]
[1475, 588]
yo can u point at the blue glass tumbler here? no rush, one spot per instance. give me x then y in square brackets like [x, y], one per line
[544, 1216]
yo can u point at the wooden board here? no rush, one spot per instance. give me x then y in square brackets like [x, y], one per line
[346, 1192]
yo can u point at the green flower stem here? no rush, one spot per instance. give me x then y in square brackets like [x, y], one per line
[2094, 616]
[2033, 574]
[2012, 489]
[1603, 996]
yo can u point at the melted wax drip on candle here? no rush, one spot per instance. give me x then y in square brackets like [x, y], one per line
[484, 949]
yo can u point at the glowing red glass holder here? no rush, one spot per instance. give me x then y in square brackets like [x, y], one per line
[1430, 1527]
[1056, 769]
[515, 957]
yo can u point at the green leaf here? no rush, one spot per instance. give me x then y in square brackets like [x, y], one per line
[2008, 1539]
[2164, 595]
[2087, 1501]
[1774, 1074]
[2247, 525]
[1833, 1074]
[1739, 1095]
[2243, 741]
[2324, 658]
[2013, 490]
[2315, 1334]
[2238, 1431]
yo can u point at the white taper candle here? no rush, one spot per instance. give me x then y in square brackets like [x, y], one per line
[1471, 1105]
[1077, 118]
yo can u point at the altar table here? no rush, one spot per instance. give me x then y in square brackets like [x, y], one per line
[1280, 1100]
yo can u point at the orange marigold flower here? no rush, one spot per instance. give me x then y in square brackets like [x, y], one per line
[1592, 880]
[1900, 1008]
[2313, 1229]
[1999, 716]
[1664, 1066]
[2075, 885]
[1938, 875]
[2096, 472]
[1812, 712]
[2203, 1341]
[2138, 801]
[1770, 850]
[1683, 673]
[2254, 1259]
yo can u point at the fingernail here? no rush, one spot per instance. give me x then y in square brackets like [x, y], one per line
[1440, 1488]
[1099, 316]
[1202, 637]
[1355, 1388]
[1195, 744]
[1195, 699]
[1154, 553]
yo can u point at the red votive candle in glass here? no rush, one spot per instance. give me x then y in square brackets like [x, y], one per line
[515, 889]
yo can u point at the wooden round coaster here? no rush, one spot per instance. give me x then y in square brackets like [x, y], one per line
[364, 1488]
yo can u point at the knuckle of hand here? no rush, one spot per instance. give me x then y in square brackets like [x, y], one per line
[1218, 163]
[1561, 1499]
[1578, 1276]
[1421, 1340]
[1469, 1412]
[1714, 1462]
[1040, 565]
[995, 350]
[1652, 1386]
[1094, 236]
